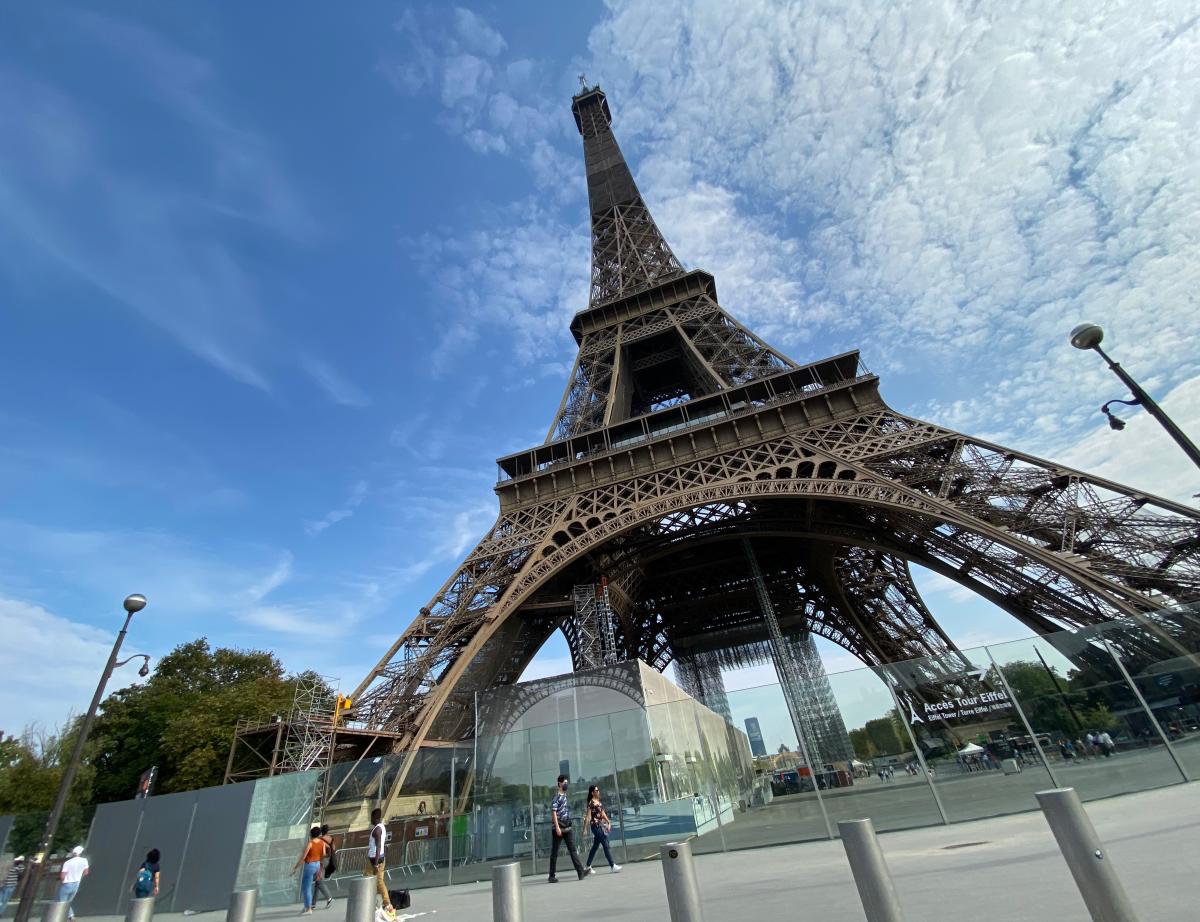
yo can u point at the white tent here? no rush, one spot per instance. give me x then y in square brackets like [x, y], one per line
[970, 750]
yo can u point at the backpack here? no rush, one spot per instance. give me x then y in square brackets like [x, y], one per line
[144, 886]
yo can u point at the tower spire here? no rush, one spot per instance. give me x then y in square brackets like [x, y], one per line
[629, 252]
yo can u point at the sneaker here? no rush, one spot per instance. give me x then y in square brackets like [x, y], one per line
[552, 880]
[616, 869]
[583, 874]
[329, 902]
[590, 869]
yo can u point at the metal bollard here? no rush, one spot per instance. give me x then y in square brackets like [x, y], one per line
[1091, 867]
[56, 912]
[870, 871]
[679, 872]
[508, 904]
[361, 905]
[242, 905]
[140, 910]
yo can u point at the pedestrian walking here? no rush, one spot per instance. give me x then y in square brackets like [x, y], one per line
[145, 881]
[310, 859]
[376, 860]
[326, 871]
[1107, 743]
[601, 825]
[12, 879]
[560, 816]
[74, 870]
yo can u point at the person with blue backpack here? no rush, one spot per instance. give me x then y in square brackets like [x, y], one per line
[145, 882]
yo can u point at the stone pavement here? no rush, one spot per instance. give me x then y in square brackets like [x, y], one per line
[1003, 868]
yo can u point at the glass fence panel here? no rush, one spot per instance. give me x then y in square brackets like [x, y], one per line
[869, 767]
[1165, 668]
[970, 735]
[418, 823]
[583, 751]
[780, 796]
[1085, 717]
[276, 833]
[497, 816]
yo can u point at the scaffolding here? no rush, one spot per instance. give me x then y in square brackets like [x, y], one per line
[596, 640]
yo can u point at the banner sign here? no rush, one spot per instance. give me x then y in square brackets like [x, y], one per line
[939, 706]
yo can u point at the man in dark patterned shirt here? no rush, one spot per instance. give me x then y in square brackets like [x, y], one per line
[560, 816]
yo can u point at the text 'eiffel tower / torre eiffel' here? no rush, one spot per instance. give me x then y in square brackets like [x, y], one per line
[702, 499]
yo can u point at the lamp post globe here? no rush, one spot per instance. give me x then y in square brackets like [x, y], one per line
[1087, 336]
[135, 603]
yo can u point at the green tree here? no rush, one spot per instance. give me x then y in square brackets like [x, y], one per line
[1044, 697]
[861, 741]
[883, 735]
[182, 719]
[30, 771]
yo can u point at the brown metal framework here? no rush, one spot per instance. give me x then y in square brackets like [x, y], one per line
[681, 435]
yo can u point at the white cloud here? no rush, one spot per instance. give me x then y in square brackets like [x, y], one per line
[260, 589]
[357, 494]
[1142, 453]
[337, 387]
[50, 665]
[952, 186]
[476, 34]
[524, 273]
[496, 105]
[154, 246]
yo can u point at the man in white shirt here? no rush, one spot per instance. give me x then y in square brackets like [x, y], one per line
[376, 859]
[74, 870]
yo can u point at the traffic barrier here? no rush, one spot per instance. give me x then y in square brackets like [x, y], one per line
[870, 871]
[508, 904]
[1090, 865]
[361, 905]
[679, 873]
[242, 906]
[140, 909]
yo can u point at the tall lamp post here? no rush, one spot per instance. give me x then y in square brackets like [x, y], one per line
[1089, 336]
[37, 867]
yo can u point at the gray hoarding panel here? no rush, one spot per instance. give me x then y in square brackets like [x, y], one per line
[165, 827]
[214, 850]
[109, 847]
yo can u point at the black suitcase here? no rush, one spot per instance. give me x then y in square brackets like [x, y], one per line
[400, 899]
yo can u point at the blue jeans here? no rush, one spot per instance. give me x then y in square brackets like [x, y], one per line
[600, 840]
[5, 895]
[66, 893]
[306, 885]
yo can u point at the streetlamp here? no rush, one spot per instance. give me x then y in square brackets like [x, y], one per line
[1089, 336]
[37, 868]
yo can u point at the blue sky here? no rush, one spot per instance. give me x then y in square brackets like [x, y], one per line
[278, 283]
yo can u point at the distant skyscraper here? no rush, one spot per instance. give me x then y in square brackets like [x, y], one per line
[757, 747]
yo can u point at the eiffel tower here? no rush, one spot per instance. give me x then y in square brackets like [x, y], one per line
[733, 504]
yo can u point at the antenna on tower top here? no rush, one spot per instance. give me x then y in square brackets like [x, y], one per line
[583, 81]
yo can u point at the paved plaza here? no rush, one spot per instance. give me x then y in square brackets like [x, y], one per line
[1005, 868]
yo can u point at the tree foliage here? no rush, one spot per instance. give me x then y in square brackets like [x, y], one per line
[1064, 706]
[30, 771]
[182, 719]
[882, 736]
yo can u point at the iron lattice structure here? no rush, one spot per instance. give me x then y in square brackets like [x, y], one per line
[736, 500]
